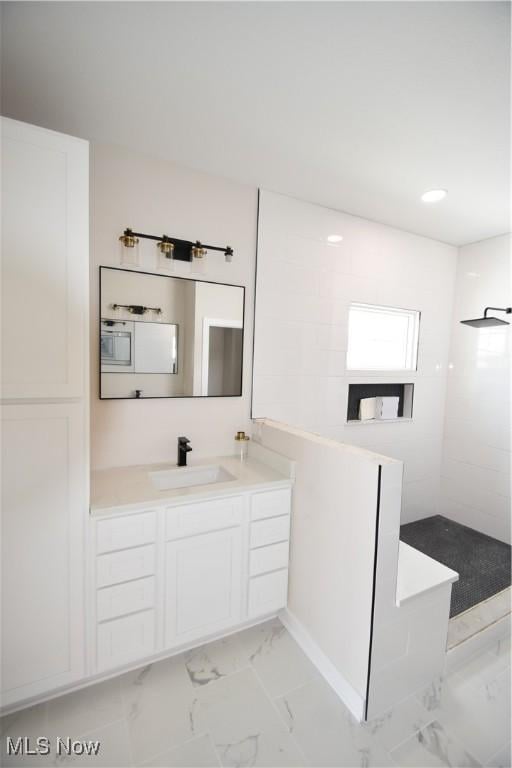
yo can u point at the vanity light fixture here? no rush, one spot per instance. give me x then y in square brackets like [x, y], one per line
[172, 247]
[434, 195]
[137, 309]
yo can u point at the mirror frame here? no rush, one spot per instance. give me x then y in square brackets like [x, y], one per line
[172, 277]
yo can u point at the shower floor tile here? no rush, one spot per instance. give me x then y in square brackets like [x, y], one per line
[483, 563]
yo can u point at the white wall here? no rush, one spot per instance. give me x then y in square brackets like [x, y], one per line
[305, 286]
[476, 449]
[332, 549]
[149, 195]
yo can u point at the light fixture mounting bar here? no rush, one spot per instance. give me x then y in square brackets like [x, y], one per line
[183, 249]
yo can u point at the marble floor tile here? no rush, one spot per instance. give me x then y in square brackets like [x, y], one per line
[31, 723]
[196, 753]
[502, 758]
[216, 660]
[85, 710]
[477, 711]
[277, 659]
[158, 701]
[254, 699]
[244, 724]
[431, 747]
[325, 730]
[267, 647]
[400, 723]
[114, 751]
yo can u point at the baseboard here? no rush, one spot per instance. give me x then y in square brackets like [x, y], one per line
[352, 700]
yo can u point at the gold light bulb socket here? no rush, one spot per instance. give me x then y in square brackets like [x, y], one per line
[129, 241]
[166, 247]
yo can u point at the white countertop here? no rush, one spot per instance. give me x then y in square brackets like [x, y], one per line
[123, 488]
[418, 573]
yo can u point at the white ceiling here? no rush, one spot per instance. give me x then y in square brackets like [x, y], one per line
[360, 106]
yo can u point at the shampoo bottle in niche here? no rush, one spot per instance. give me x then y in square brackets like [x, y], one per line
[241, 445]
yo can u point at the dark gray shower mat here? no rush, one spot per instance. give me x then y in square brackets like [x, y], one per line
[483, 563]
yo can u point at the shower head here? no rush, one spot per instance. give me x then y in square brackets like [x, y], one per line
[488, 322]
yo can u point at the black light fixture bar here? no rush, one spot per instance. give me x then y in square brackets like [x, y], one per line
[183, 249]
[137, 309]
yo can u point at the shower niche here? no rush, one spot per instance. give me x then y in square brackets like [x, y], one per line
[374, 402]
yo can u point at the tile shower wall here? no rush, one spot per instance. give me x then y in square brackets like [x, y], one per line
[129, 189]
[475, 477]
[304, 288]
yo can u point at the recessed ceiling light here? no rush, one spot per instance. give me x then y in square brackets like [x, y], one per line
[334, 239]
[434, 195]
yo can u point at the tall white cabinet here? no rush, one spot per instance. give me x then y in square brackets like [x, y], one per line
[45, 277]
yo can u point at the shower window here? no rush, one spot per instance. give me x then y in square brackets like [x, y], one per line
[382, 338]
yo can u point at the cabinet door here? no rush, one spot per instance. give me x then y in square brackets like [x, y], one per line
[203, 585]
[45, 273]
[44, 510]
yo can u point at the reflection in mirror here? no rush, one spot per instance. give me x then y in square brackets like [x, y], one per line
[169, 337]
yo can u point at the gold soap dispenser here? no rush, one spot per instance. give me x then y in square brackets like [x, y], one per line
[241, 445]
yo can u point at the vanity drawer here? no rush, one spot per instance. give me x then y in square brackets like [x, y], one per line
[124, 640]
[268, 593]
[270, 531]
[126, 531]
[191, 519]
[124, 566]
[269, 558]
[125, 598]
[270, 504]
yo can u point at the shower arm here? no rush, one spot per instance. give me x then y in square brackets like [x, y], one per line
[508, 310]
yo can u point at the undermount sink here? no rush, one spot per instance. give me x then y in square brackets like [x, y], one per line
[186, 477]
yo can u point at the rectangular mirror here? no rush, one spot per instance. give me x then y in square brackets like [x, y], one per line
[164, 336]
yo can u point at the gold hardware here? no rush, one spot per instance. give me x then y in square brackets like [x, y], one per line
[166, 247]
[129, 241]
[241, 436]
[198, 252]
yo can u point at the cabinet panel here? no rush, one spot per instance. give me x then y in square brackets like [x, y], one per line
[123, 566]
[126, 639]
[268, 558]
[124, 532]
[125, 598]
[44, 512]
[190, 519]
[270, 531]
[203, 584]
[267, 593]
[45, 201]
[270, 504]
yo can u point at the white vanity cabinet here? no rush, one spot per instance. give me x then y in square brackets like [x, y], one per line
[175, 576]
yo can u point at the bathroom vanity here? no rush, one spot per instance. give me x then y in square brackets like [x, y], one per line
[178, 556]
